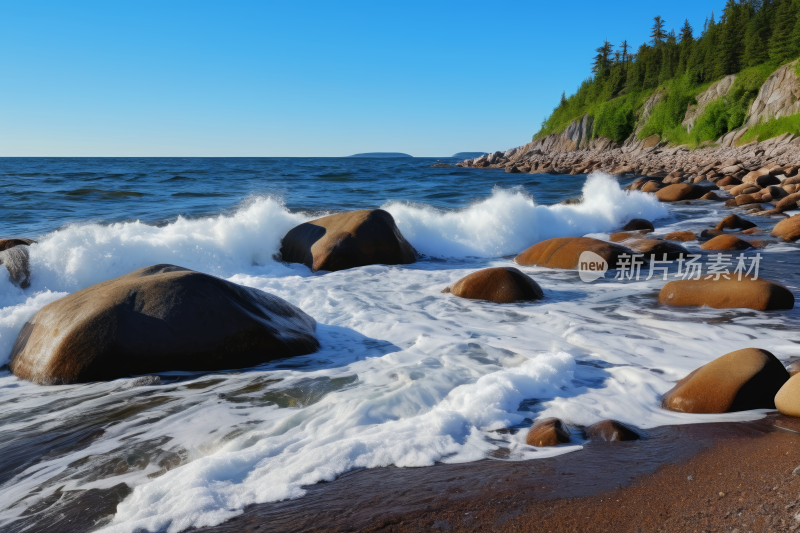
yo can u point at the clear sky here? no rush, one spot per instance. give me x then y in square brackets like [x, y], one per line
[298, 78]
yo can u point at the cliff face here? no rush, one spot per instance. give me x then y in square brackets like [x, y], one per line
[717, 90]
[778, 97]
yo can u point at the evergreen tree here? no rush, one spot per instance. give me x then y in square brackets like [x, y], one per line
[624, 47]
[686, 33]
[657, 34]
[731, 37]
[563, 101]
[601, 60]
[781, 45]
[757, 36]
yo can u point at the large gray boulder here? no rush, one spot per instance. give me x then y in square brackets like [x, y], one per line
[156, 319]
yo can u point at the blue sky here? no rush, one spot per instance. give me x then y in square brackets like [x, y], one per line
[242, 78]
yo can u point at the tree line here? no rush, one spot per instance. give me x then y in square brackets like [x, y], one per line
[752, 37]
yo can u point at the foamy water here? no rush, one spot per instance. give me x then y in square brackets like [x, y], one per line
[406, 375]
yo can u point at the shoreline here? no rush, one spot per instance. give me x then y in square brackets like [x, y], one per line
[626, 486]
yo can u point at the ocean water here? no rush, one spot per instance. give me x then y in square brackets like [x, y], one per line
[406, 375]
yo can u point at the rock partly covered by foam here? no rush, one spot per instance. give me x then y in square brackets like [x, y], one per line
[658, 249]
[157, 319]
[737, 381]
[565, 252]
[611, 431]
[787, 400]
[548, 432]
[500, 285]
[14, 256]
[759, 294]
[347, 240]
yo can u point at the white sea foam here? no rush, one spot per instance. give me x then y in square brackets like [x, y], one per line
[406, 375]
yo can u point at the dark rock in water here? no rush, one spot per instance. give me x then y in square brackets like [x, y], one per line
[659, 249]
[738, 381]
[571, 201]
[469, 155]
[500, 285]
[156, 319]
[441, 165]
[548, 432]
[386, 155]
[638, 224]
[734, 222]
[347, 240]
[708, 234]
[14, 256]
[611, 431]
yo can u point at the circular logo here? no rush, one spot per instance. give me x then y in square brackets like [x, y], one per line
[591, 266]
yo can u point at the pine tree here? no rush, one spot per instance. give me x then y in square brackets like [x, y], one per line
[686, 32]
[624, 47]
[781, 47]
[601, 60]
[657, 33]
[563, 101]
[757, 36]
[730, 47]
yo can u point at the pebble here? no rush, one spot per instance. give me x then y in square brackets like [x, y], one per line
[796, 471]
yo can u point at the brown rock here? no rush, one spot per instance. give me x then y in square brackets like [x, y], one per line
[793, 368]
[680, 191]
[728, 180]
[624, 236]
[738, 381]
[611, 431]
[548, 432]
[788, 203]
[747, 293]
[787, 400]
[5, 244]
[658, 248]
[651, 186]
[744, 199]
[708, 234]
[767, 180]
[787, 229]
[347, 240]
[711, 195]
[734, 222]
[681, 236]
[638, 224]
[725, 242]
[500, 285]
[157, 319]
[565, 252]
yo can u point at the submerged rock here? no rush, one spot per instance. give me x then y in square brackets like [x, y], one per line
[548, 432]
[738, 381]
[638, 224]
[156, 319]
[611, 431]
[759, 294]
[347, 240]
[14, 256]
[500, 285]
[565, 252]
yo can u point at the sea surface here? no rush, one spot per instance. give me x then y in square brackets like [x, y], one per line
[406, 376]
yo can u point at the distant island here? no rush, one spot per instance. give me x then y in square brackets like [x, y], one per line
[382, 154]
[468, 155]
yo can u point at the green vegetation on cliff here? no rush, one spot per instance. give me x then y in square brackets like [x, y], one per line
[751, 39]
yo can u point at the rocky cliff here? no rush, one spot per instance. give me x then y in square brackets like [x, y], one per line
[778, 97]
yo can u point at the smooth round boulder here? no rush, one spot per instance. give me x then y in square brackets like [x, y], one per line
[734, 222]
[638, 224]
[565, 252]
[711, 195]
[747, 293]
[738, 381]
[728, 180]
[625, 235]
[788, 229]
[726, 242]
[659, 249]
[14, 256]
[680, 191]
[680, 236]
[501, 285]
[787, 400]
[651, 186]
[548, 432]
[347, 240]
[157, 319]
[745, 199]
[611, 431]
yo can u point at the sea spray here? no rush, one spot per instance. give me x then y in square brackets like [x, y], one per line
[510, 220]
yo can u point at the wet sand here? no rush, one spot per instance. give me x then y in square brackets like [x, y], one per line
[701, 477]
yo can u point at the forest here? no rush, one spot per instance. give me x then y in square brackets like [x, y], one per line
[750, 38]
